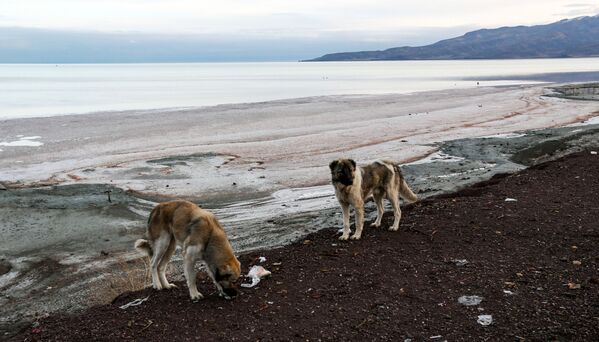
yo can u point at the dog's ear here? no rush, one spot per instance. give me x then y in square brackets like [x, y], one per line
[333, 164]
[353, 163]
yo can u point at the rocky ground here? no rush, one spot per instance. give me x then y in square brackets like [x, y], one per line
[526, 243]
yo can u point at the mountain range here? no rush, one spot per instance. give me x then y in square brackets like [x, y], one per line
[578, 37]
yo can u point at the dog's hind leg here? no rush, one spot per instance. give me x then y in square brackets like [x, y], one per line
[168, 254]
[191, 255]
[394, 199]
[380, 208]
[160, 247]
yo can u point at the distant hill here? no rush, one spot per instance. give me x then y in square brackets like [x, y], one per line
[578, 37]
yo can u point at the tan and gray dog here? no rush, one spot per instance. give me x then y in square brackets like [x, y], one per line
[353, 185]
[201, 237]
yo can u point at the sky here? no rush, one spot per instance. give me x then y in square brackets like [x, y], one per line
[252, 29]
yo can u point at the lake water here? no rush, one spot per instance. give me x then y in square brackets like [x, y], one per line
[32, 90]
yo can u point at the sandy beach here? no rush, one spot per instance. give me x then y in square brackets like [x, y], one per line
[73, 182]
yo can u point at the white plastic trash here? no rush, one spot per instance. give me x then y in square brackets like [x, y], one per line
[470, 300]
[136, 302]
[511, 200]
[459, 262]
[256, 273]
[485, 320]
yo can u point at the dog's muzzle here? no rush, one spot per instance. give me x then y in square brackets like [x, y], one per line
[230, 293]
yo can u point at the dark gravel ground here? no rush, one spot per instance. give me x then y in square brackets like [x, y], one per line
[393, 286]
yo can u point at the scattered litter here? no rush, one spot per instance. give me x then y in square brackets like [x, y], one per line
[459, 262]
[509, 283]
[270, 303]
[256, 273]
[435, 337]
[262, 259]
[277, 263]
[485, 320]
[577, 262]
[470, 300]
[573, 286]
[508, 292]
[593, 152]
[511, 200]
[136, 302]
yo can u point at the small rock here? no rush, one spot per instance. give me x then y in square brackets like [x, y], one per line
[593, 152]
[511, 200]
[573, 286]
[577, 262]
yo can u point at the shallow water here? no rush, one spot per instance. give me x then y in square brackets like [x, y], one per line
[32, 90]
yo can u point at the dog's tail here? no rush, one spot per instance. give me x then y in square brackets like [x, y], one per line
[404, 190]
[144, 246]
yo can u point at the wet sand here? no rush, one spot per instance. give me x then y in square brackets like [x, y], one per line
[261, 167]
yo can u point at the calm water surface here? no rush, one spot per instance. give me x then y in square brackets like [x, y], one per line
[30, 90]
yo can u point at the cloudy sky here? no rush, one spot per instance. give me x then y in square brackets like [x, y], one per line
[292, 29]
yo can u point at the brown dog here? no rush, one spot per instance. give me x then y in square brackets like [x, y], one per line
[201, 237]
[354, 184]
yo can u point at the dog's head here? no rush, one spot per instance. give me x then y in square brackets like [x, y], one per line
[227, 276]
[342, 171]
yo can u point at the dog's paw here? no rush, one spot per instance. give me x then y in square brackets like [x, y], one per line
[393, 229]
[197, 297]
[170, 286]
[344, 237]
[157, 287]
[375, 225]
[356, 237]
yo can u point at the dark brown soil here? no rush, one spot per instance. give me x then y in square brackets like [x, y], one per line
[392, 286]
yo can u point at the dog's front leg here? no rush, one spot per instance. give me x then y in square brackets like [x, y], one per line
[191, 255]
[359, 208]
[345, 209]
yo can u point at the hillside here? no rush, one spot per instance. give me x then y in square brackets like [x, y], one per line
[578, 37]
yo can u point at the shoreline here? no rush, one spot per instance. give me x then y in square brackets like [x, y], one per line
[66, 217]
